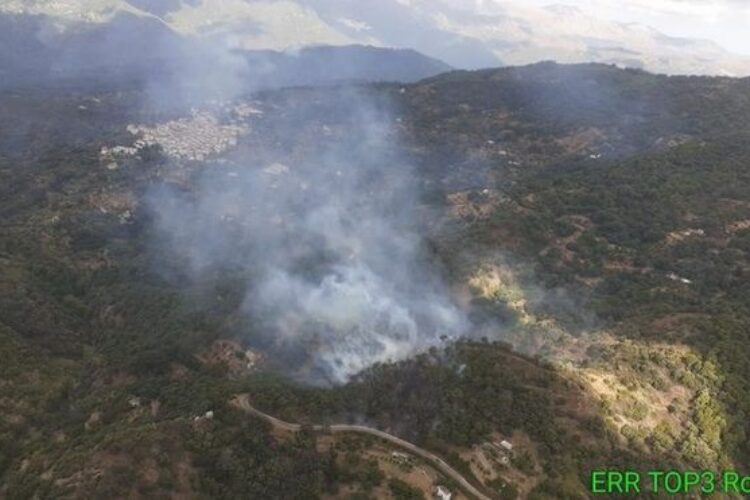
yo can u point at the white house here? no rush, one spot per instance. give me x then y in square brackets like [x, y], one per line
[444, 493]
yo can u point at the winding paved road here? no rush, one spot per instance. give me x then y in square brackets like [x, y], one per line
[243, 402]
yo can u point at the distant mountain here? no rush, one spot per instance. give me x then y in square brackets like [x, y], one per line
[327, 64]
[464, 34]
[136, 46]
[125, 46]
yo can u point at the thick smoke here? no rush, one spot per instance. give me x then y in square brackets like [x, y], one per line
[322, 230]
[329, 241]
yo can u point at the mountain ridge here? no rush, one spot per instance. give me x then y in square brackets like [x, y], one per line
[166, 58]
[505, 33]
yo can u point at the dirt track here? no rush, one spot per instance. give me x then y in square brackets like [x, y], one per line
[243, 402]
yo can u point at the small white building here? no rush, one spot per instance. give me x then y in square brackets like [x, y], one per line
[209, 415]
[444, 493]
[507, 445]
[674, 277]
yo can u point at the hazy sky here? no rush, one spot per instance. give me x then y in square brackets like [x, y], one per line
[726, 22]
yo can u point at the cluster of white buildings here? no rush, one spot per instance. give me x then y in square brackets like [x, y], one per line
[245, 110]
[194, 138]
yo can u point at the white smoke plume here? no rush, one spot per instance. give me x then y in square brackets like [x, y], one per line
[331, 242]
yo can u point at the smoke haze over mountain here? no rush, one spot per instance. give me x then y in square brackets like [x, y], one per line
[326, 240]
[335, 264]
[665, 37]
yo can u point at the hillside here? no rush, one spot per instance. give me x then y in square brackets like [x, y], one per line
[583, 230]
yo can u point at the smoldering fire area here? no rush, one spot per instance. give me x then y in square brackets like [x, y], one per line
[326, 236]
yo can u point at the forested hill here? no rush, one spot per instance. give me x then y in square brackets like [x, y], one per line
[629, 110]
[593, 224]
